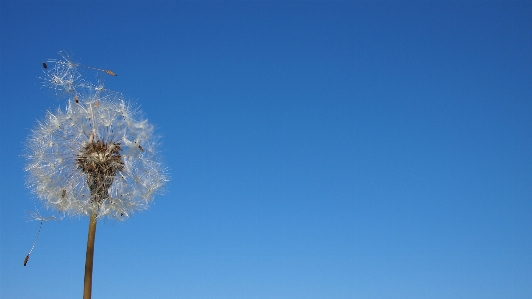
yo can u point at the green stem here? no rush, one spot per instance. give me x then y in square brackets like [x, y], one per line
[87, 288]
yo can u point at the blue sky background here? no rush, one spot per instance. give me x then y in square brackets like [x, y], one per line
[316, 149]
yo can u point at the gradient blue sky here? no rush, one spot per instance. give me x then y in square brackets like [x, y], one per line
[316, 149]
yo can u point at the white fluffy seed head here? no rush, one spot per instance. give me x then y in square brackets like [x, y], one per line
[97, 131]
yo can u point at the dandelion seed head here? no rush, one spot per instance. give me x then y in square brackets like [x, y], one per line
[95, 154]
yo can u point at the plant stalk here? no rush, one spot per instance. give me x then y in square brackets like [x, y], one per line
[87, 287]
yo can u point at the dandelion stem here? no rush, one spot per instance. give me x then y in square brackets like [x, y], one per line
[87, 289]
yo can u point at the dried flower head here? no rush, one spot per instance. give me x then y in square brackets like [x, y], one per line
[94, 155]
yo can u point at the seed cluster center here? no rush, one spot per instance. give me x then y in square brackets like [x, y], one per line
[100, 161]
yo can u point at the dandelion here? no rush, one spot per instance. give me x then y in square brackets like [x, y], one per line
[94, 157]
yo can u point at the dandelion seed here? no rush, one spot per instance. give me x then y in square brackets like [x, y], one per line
[110, 72]
[37, 216]
[33, 246]
[26, 259]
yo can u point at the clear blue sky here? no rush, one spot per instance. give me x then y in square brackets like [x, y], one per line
[316, 149]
